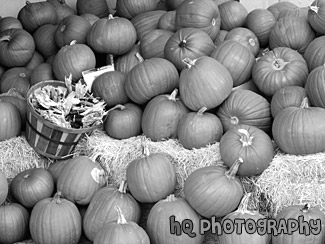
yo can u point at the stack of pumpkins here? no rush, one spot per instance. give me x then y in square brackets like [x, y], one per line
[199, 71]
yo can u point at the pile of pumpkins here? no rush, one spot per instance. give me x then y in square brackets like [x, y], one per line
[199, 71]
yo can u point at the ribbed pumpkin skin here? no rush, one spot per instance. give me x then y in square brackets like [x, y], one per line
[294, 212]
[236, 58]
[161, 116]
[150, 78]
[17, 78]
[315, 53]
[206, 83]
[300, 131]
[127, 61]
[158, 221]
[187, 43]
[255, 148]
[316, 19]
[280, 67]
[290, 96]
[292, 32]
[9, 22]
[295, 12]
[55, 221]
[41, 73]
[81, 177]
[44, 37]
[124, 122]
[10, 121]
[14, 223]
[56, 168]
[315, 86]
[278, 7]
[96, 7]
[17, 47]
[151, 178]
[101, 209]
[261, 22]
[62, 9]
[198, 129]
[113, 35]
[167, 21]
[36, 60]
[199, 14]
[3, 187]
[129, 9]
[245, 107]
[211, 192]
[232, 14]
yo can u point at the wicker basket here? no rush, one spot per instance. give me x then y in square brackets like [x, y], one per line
[47, 138]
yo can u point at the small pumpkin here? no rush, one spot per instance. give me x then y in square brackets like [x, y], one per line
[44, 37]
[277, 7]
[167, 21]
[199, 129]
[56, 167]
[129, 9]
[151, 177]
[96, 7]
[10, 22]
[301, 12]
[91, 18]
[32, 185]
[35, 61]
[127, 61]
[41, 73]
[4, 188]
[220, 37]
[16, 78]
[315, 88]
[232, 14]
[316, 16]
[62, 9]
[315, 53]
[10, 121]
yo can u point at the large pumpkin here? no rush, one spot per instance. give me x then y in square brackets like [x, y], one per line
[161, 116]
[44, 37]
[101, 209]
[315, 53]
[129, 9]
[96, 7]
[316, 16]
[205, 82]
[245, 107]
[189, 43]
[149, 78]
[279, 68]
[16, 78]
[232, 14]
[17, 47]
[277, 7]
[315, 86]
[300, 130]
[214, 190]
[113, 35]
[202, 14]
[73, 59]
[4, 188]
[164, 218]
[249, 143]
[10, 121]
[55, 220]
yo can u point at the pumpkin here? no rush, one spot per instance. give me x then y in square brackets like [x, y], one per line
[17, 47]
[173, 4]
[238, 59]
[246, 37]
[244, 233]
[299, 131]
[151, 177]
[301, 12]
[290, 96]
[279, 68]
[251, 144]
[297, 214]
[277, 7]
[248, 85]
[173, 212]
[315, 53]
[292, 32]
[109, 86]
[72, 27]
[100, 210]
[14, 223]
[35, 14]
[10, 121]
[205, 82]
[96, 7]
[153, 43]
[73, 59]
[10, 22]
[121, 231]
[149, 78]
[245, 107]
[146, 22]
[167, 21]
[214, 190]
[55, 169]
[261, 22]
[129, 9]
[62, 9]
[41, 73]
[220, 37]
[127, 61]
[16, 78]
[4, 188]
[91, 18]
[113, 35]
[35, 61]
[80, 178]
[44, 38]
[199, 129]
[32, 185]
[315, 86]
[232, 14]
[189, 43]
[55, 220]
[123, 121]
[202, 14]
[316, 16]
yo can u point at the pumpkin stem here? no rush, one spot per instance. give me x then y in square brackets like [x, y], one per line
[110, 16]
[73, 42]
[182, 44]
[104, 173]
[231, 173]
[314, 8]
[246, 138]
[121, 219]
[243, 206]
[304, 103]
[118, 106]
[173, 95]
[201, 111]
[111, 59]
[189, 62]
[27, 2]
[278, 64]
[139, 57]
[170, 198]
[305, 208]
[57, 197]
[234, 120]
[123, 186]
[26, 176]
[251, 42]
[213, 22]
[5, 38]
[145, 148]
